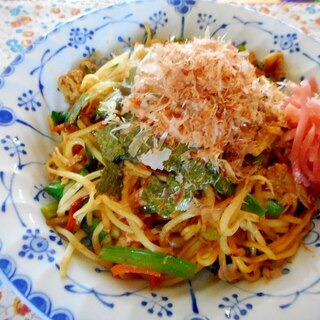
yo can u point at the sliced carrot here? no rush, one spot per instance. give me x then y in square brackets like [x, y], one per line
[73, 208]
[58, 127]
[62, 126]
[119, 270]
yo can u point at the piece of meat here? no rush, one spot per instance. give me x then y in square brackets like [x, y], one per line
[281, 178]
[285, 188]
[70, 83]
[274, 66]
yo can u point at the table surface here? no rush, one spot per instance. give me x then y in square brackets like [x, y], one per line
[21, 22]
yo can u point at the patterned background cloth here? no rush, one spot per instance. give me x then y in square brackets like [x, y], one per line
[21, 22]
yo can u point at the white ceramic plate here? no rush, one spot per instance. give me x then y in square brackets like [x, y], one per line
[30, 252]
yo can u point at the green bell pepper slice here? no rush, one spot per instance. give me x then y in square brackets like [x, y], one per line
[149, 260]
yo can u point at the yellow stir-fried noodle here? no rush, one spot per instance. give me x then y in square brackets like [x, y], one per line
[227, 203]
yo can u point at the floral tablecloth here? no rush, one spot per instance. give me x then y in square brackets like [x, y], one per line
[21, 22]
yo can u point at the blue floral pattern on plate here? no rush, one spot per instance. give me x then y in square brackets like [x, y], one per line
[30, 256]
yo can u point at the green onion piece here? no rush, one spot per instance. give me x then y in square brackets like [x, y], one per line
[274, 209]
[258, 160]
[49, 211]
[55, 189]
[149, 260]
[73, 114]
[88, 70]
[251, 204]
[89, 229]
[211, 234]
[132, 74]
[224, 186]
[124, 88]
[58, 117]
[242, 47]
[83, 172]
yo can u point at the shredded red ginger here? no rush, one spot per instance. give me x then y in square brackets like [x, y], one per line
[302, 112]
[206, 94]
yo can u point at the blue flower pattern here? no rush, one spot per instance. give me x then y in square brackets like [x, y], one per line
[88, 51]
[28, 101]
[159, 305]
[182, 6]
[79, 37]
[155, 304]
[127, 43]
[287, 42]
[239, 304]
[36, 246]
[41, 193]
[158, 19]
[205, 20]
[15, 147]
[235, 308]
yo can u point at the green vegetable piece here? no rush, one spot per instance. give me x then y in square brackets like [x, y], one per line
[176, 159]
[58, 117]
[184, 203]
[173, 184]
[132, 74]
[83, 172]
[258, 160]
[112, 101]
[111, 182]
[49, 211]
[223, 185]
[73, 114]
[274, 208]
[124, 88]
[251, 204]
[149, 260]
[242, 47]
[110, 146]
[55, 189]
[145, 147]
[89, 229]
[158, 197]
[88, 70]
[128, 137]
[196, 174]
